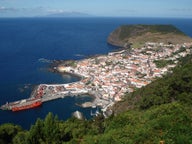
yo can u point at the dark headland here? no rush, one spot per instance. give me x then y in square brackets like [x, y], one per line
[138, 35]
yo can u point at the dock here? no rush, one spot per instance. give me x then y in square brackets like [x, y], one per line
[49, 92]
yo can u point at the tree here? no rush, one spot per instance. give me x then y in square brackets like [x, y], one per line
[21, 138]
[45, 131]
[51, 129]
[8, 132]
[36, 132]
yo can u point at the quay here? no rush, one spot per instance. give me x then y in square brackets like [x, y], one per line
[45, 92]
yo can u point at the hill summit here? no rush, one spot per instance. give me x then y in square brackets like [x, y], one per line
[137, 35]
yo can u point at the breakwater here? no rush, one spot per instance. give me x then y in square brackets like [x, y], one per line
[49, 92]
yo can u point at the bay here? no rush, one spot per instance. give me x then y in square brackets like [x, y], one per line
[28, 44]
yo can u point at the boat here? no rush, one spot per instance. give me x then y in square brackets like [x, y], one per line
[22, 104]
[26, 105]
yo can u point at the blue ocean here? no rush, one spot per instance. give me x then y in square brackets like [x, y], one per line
[28, 45]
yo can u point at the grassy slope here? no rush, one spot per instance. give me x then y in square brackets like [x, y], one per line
[139, 34]
[136, 30]
[170, 123]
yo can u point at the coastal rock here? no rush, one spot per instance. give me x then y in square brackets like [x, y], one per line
[87, 104]
[114, 38]
[78, 115]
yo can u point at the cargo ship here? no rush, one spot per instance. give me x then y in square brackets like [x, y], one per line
[22, 105]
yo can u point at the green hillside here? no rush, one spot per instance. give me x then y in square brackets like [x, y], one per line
[171, 123]
[137, 35]
[135, 30]
[176, 86]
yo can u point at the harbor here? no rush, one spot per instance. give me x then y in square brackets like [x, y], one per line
[48, 92]
[107, 77]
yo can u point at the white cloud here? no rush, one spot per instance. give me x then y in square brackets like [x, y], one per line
[6, 9]
[9, 9]
[181, 9]
[2, 8]
[181, 12]
[21, 11]
[56, 10]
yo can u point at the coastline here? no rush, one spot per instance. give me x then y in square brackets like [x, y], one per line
[108, 77]
[133, 81]
[36, 72]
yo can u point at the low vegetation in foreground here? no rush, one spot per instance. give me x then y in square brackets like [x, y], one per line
[159, 112]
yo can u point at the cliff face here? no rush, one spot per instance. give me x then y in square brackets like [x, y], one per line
[137, 35]
[114, 38]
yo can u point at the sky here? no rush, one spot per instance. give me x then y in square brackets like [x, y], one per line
[105, 8]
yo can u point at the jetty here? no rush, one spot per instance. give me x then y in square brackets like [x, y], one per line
[48, 92]
[43, 93]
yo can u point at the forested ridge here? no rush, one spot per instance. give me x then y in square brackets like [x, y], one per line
[159, 112]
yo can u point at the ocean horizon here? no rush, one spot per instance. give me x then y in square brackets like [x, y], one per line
[28, 45]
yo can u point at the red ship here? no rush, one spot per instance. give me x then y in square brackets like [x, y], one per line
[22, 104]
[26, 106]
